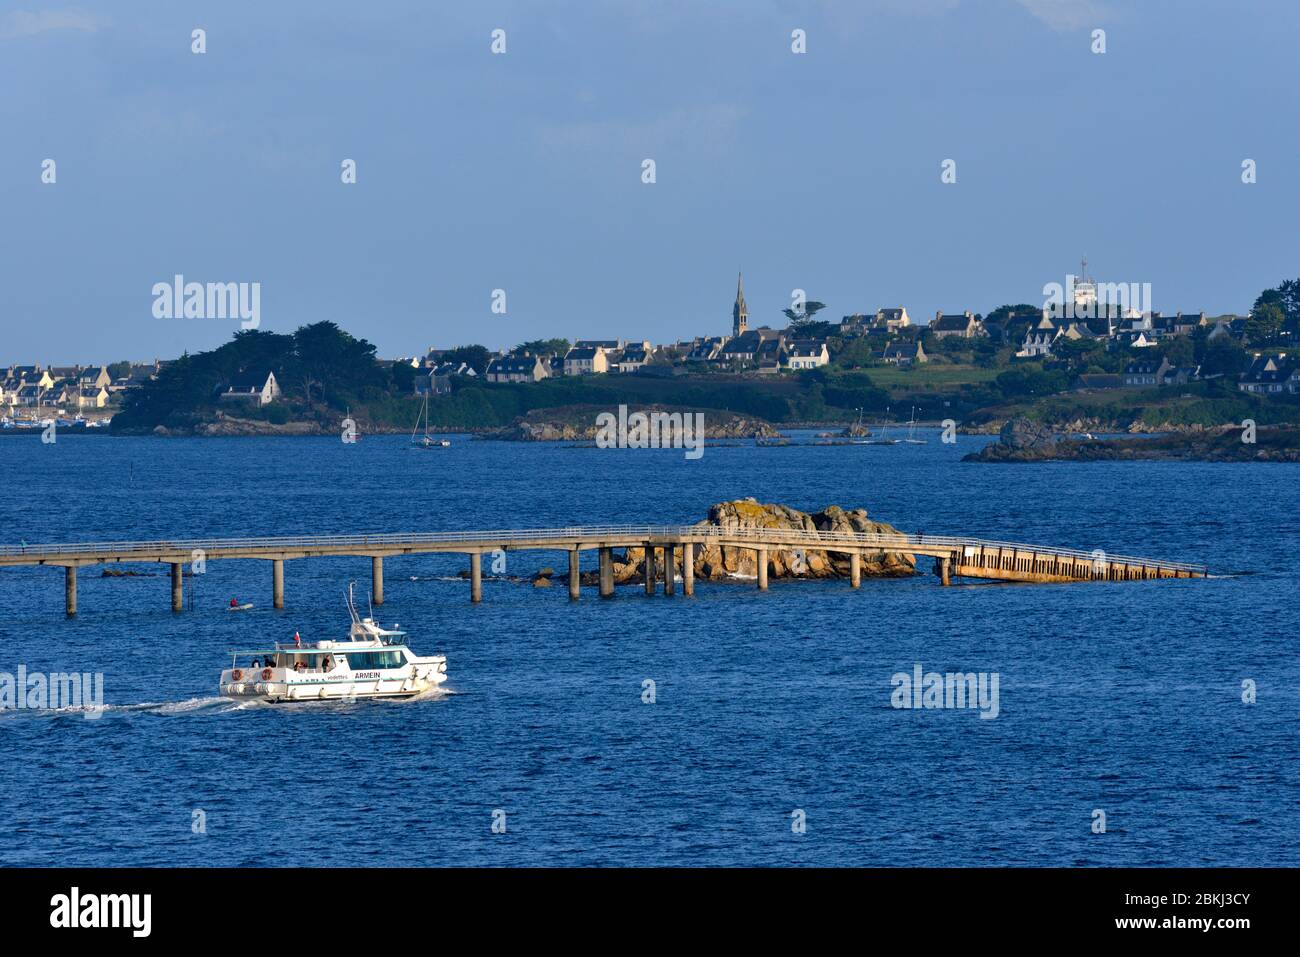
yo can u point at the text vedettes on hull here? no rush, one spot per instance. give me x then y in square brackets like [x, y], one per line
[374, 662]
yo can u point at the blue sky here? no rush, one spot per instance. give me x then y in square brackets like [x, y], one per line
[523, 171]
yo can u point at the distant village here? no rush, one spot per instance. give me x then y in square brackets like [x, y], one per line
[887, 337]
[895, 340]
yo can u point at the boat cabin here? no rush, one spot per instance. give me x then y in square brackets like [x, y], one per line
[386, 651]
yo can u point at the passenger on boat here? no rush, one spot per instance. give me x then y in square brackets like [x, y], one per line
[300, 666]
[327, 664]
[257, 663]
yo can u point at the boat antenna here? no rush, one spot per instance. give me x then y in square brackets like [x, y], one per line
[352, 607]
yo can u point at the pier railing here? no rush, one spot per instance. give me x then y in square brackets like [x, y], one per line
[586, 535]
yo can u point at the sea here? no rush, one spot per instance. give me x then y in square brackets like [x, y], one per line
[1137, 724]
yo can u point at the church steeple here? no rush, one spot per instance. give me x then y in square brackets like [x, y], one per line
[739, 312]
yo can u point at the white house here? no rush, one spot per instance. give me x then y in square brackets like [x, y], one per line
[253, 387]
[521, 368]
[586, 360]
[904, 353]
[634, 357]
[92, 398]
[963, 325]
[806, 354]
[1039, 339]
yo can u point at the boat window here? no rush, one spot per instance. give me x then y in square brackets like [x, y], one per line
[370, 660]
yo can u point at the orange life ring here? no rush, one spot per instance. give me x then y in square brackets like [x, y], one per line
[266, 674]
[237, 674]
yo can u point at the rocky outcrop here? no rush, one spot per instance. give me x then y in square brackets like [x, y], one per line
[229, 425]
[720, 562]
[1020, 440]
[578, 424]
[1228, 444]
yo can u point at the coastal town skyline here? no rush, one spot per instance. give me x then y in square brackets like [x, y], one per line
[1053, 295]
[526, 167]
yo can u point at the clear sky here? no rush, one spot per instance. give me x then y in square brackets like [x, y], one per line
[523, 171]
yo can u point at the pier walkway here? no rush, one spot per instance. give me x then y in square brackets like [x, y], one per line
[954, 557]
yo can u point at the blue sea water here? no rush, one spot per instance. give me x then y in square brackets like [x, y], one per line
[1124, 698]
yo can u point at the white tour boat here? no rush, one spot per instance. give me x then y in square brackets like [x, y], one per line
[374, 662]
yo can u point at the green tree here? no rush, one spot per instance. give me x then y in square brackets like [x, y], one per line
[1007, 323]
[801, 318]
[541, 347]
[819, 329]
[330, 363]
[476, 357]
[856, 354]
[1265, 322]
[1287, 297]
[1031, 379]
[1179, 350]
[1223, 355]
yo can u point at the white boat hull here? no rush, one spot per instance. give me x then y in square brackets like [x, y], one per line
[285, 685]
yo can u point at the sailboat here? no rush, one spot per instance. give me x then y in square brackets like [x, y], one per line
[884, 436]
[911, 427]
[857, 433]
[425, 441]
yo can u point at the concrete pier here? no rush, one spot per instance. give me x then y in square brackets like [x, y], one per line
[177, 604]
[377, 580]
[475, 577]
[575, 577]
[606, 571]
[277, 583]
[956, 557]
[669, 571]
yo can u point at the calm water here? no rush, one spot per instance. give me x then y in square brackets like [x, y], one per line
[1125, 698]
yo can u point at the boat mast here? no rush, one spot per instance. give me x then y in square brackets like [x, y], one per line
[416, 427]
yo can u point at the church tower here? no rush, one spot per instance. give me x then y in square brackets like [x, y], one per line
[739, 312]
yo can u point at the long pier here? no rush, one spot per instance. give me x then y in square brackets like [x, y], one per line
[954, 557]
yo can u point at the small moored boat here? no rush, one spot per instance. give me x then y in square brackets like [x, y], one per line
[374, 662]
[426, 441]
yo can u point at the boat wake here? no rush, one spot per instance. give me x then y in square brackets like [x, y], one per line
[215, 704]
[188, 706]
[462, 579]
